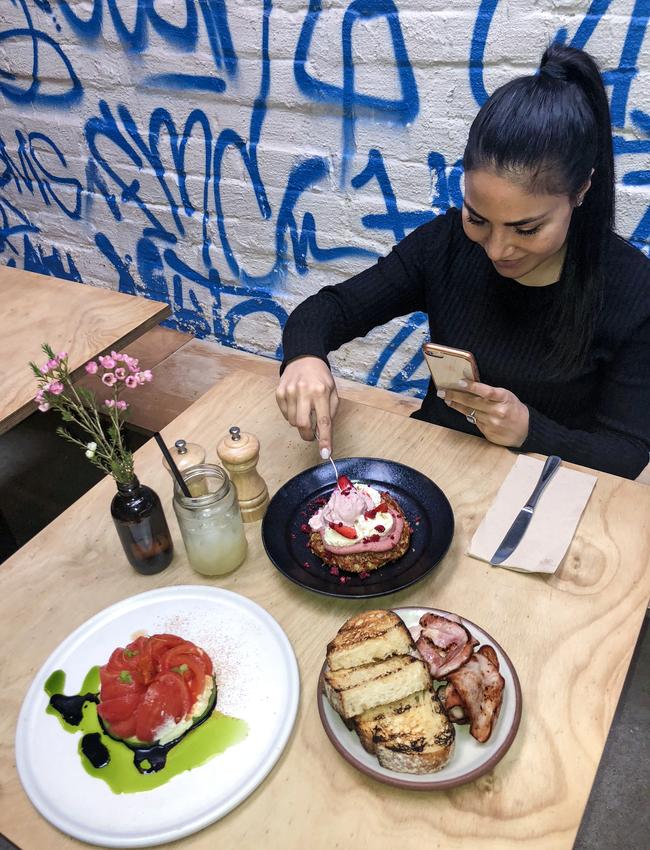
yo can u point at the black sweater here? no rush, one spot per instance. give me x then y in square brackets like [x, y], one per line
[597, 415]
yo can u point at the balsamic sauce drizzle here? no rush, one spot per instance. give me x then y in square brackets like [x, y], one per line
[146, 759]
[71, 708]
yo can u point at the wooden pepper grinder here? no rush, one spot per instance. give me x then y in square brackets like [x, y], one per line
[239, 453]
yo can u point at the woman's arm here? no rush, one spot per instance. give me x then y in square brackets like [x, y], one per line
[394, 286]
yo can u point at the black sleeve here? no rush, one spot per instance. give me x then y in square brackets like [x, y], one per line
[394, 286]
[620, 441]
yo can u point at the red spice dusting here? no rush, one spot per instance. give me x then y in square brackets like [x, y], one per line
[307, 565]
[344, 579]
[372, 539]
[334, 570]
[320, 502]
[304, 527]
[380, 528]
[363, 575]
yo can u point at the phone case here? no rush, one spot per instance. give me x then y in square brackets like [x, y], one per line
[449, 365]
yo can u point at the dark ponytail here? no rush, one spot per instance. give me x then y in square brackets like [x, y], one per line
[548, 132]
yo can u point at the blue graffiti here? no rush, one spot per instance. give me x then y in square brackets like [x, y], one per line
[12, 223]
[183, 38]
[351, 102]
[31, 175]
[165, 176]
[36, 260]
[620, 78]
[37, 40]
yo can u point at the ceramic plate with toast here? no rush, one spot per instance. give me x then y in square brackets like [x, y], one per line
[387, 711]
[424, 505]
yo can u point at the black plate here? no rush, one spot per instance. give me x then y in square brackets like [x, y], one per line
[423, 502]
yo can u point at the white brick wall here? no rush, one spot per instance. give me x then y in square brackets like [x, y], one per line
[258, 275]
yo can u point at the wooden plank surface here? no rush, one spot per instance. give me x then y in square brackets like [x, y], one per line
[83, 320]
[184, 368]
[570, 637]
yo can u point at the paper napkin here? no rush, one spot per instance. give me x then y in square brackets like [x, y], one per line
[554, 522]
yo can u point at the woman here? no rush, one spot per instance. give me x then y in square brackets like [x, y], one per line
[529, 277]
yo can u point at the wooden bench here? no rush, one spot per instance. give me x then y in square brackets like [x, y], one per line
[184, 368]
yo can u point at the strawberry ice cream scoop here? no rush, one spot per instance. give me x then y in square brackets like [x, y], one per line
[344, 506]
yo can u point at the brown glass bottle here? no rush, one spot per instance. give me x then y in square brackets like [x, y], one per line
[142, 527]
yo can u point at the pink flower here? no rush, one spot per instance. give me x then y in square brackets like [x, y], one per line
[107, 362]
[109, 403]
[144, 376]
[117, 356]
[132, 362]
[131, 382]
[91, 367]
[56, 388]
[62, 355]
[121, 405]
[120, 373]
[47, 367]
[109, 379]
[39, 398]
[44, 407]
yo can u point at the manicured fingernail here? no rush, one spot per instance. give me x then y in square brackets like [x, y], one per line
[325, 453]
[463, 384]
[440, 393]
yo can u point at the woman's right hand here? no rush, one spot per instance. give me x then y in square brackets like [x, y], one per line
[307, 384]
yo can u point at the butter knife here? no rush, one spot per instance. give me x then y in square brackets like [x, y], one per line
[518, 528]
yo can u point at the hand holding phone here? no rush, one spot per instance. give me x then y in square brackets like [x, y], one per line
[448, 366]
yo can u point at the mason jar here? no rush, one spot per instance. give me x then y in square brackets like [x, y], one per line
[210, 524]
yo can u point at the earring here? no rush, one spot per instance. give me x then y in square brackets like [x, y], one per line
[579, 202]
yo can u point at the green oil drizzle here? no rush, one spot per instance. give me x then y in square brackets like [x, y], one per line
[200, 744]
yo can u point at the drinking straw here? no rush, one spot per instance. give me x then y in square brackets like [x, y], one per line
[172, 465]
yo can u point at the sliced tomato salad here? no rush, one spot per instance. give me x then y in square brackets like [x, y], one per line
[150, 682]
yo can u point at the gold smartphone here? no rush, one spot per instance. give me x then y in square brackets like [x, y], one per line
[449, 365]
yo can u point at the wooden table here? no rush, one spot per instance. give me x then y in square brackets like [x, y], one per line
[83, 320]
[570, 637]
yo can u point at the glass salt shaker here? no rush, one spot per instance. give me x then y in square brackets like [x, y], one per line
[186, 455]
[210, 523]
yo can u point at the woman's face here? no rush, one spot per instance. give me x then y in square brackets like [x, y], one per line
[524, 235]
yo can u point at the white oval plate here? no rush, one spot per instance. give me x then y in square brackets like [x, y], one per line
[258, 682]
[469, 760]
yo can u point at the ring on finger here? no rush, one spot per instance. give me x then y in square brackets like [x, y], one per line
[471, 416]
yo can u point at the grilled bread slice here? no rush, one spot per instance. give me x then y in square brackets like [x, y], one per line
[351, 692]
[370, 636]
[409, 735]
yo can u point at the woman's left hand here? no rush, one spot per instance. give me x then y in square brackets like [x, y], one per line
[500, 416]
